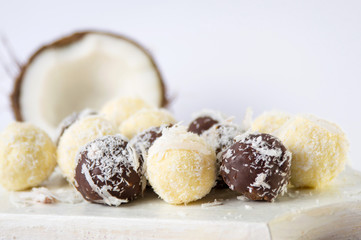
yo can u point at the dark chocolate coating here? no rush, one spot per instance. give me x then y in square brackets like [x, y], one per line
[201, 124]
[222, 135]
[144, 140]
[225, 137]
[257, 166]
[110, 165]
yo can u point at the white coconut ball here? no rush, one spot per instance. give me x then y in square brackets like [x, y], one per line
[144, 119]
[27, 156]
[319, 150]
[118, 110]
[181, 166]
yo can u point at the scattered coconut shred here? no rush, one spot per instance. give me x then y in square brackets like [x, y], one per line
[43, 195]
[247, 120]
[242, 198]
[248, 207]
[176, 138]
[212, 204]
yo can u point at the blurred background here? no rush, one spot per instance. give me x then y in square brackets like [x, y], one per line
[293, 56]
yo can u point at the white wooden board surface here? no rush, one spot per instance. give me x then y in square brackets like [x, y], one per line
[332, 213]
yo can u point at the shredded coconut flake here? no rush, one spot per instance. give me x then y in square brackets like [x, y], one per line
[212, 204]
[177, 137]
[242, 198]
[43, 195]
[247, 121]
[248, 207]
[260, 181]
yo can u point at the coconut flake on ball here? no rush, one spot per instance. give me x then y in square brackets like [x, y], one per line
[247, 120]
[177, 137]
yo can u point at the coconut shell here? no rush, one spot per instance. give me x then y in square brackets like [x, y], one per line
[16, 93]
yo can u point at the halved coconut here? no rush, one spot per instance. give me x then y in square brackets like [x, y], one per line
[83, 70]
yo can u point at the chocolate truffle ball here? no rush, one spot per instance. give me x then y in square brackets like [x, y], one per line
[220, 137]
[257, 165]
[204, 121]
[144, 140]
[70, 120]
[107, 171]
[201, 124]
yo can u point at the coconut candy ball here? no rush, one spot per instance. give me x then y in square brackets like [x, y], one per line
[181, 166]
[201, 124]
[257, 166]
[269, 122]
[77, 135]
[70, 120]
[108, 171]
[27, 156]
[220, 137]
[145, 119]
[144, 140]
[118, 110]
[319, 149]
[204, 120]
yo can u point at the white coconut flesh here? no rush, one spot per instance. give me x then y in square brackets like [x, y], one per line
[86, 74]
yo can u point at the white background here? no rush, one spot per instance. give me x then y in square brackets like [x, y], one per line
[295, 56]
